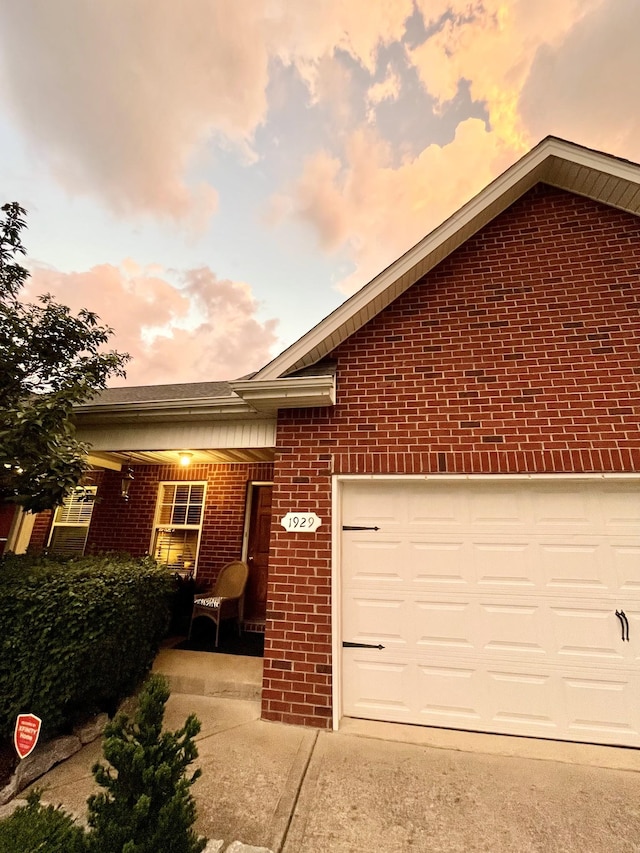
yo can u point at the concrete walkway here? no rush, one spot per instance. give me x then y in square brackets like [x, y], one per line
[379, 787]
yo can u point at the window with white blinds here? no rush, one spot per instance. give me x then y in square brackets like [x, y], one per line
[178, 525]
[71, 522]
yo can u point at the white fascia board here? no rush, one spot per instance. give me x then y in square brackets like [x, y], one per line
[174, 410]
[550, 160]
[291, 393]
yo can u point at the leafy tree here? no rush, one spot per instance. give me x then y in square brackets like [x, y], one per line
[50, 360]
[147, 805]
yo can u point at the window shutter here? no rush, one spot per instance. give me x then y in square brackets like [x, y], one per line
[71, 523]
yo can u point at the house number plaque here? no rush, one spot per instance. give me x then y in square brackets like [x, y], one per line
[301, 522]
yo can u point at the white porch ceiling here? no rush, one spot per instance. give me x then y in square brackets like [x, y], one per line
[118, 459]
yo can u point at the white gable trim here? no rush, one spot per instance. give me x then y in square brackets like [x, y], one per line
[553, 161]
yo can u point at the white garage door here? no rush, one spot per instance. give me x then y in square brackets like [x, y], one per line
[495, 601]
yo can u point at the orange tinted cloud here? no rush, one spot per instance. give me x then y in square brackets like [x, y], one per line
[537, 68]
[492, 45]
[584, 88]
[377, 211]
[206, 330]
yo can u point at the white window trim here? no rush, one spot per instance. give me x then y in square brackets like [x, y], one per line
[85, 523]
[158, 526]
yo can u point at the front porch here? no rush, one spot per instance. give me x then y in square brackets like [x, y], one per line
[207, 674]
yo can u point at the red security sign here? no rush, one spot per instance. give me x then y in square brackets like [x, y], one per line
[26, 734]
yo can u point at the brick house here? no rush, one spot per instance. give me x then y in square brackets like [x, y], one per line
[466, 427]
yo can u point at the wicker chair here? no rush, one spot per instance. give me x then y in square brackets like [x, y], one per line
[225, 600]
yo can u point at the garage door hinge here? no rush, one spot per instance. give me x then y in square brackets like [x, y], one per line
[351, 527]
[347, 645]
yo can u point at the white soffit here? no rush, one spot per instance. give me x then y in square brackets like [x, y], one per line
[561, 164]
[179, 435]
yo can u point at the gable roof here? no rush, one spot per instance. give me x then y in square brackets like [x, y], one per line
[553, 161]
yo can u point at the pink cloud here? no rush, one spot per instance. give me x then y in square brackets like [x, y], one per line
[375, 211]
[205, 330]
[119, 98]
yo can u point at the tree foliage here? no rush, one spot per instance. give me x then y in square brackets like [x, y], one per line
[50, 361]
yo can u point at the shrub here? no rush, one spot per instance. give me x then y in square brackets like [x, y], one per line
[77, 635]
[147, 805]
[43, 828]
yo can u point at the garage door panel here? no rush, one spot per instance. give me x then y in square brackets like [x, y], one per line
[449, 695]
[373, 560]
[377, 619]
[503, 563]
[522, 700]
[619, 508]
[379, 689]
[570, 565]
[625, 558]
[378, 561]
[512, 629]
[495, 602]
[603, 707]
[587, 635]
[444, 626]
[552, 566]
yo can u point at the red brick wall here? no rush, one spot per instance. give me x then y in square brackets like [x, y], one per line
[7, 513]
[40, 533]
[127, 526]
[519, 353]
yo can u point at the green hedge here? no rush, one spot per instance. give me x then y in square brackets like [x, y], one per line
[77, 635]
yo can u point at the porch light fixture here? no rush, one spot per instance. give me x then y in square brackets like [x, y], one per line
[185, 458]
[125, 483]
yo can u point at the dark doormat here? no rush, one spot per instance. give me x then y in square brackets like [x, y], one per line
[203, 638]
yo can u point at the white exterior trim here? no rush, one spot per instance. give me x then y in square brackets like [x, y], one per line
[21, 530]
[248, 503]
[612, 475]
[336, 603]
[300, 391]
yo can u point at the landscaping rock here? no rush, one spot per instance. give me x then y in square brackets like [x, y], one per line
[239, 847]
[92, 729]
[213, 846]
[45, 757]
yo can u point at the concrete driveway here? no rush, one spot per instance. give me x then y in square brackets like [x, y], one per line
[379, 787]
[361, 795]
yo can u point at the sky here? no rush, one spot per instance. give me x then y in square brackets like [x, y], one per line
[213, 177]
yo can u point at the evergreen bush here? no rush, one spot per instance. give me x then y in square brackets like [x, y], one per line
[147, 805]
[45, 829]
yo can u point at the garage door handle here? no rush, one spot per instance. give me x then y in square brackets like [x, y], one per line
[347, 645]
[622, 616]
